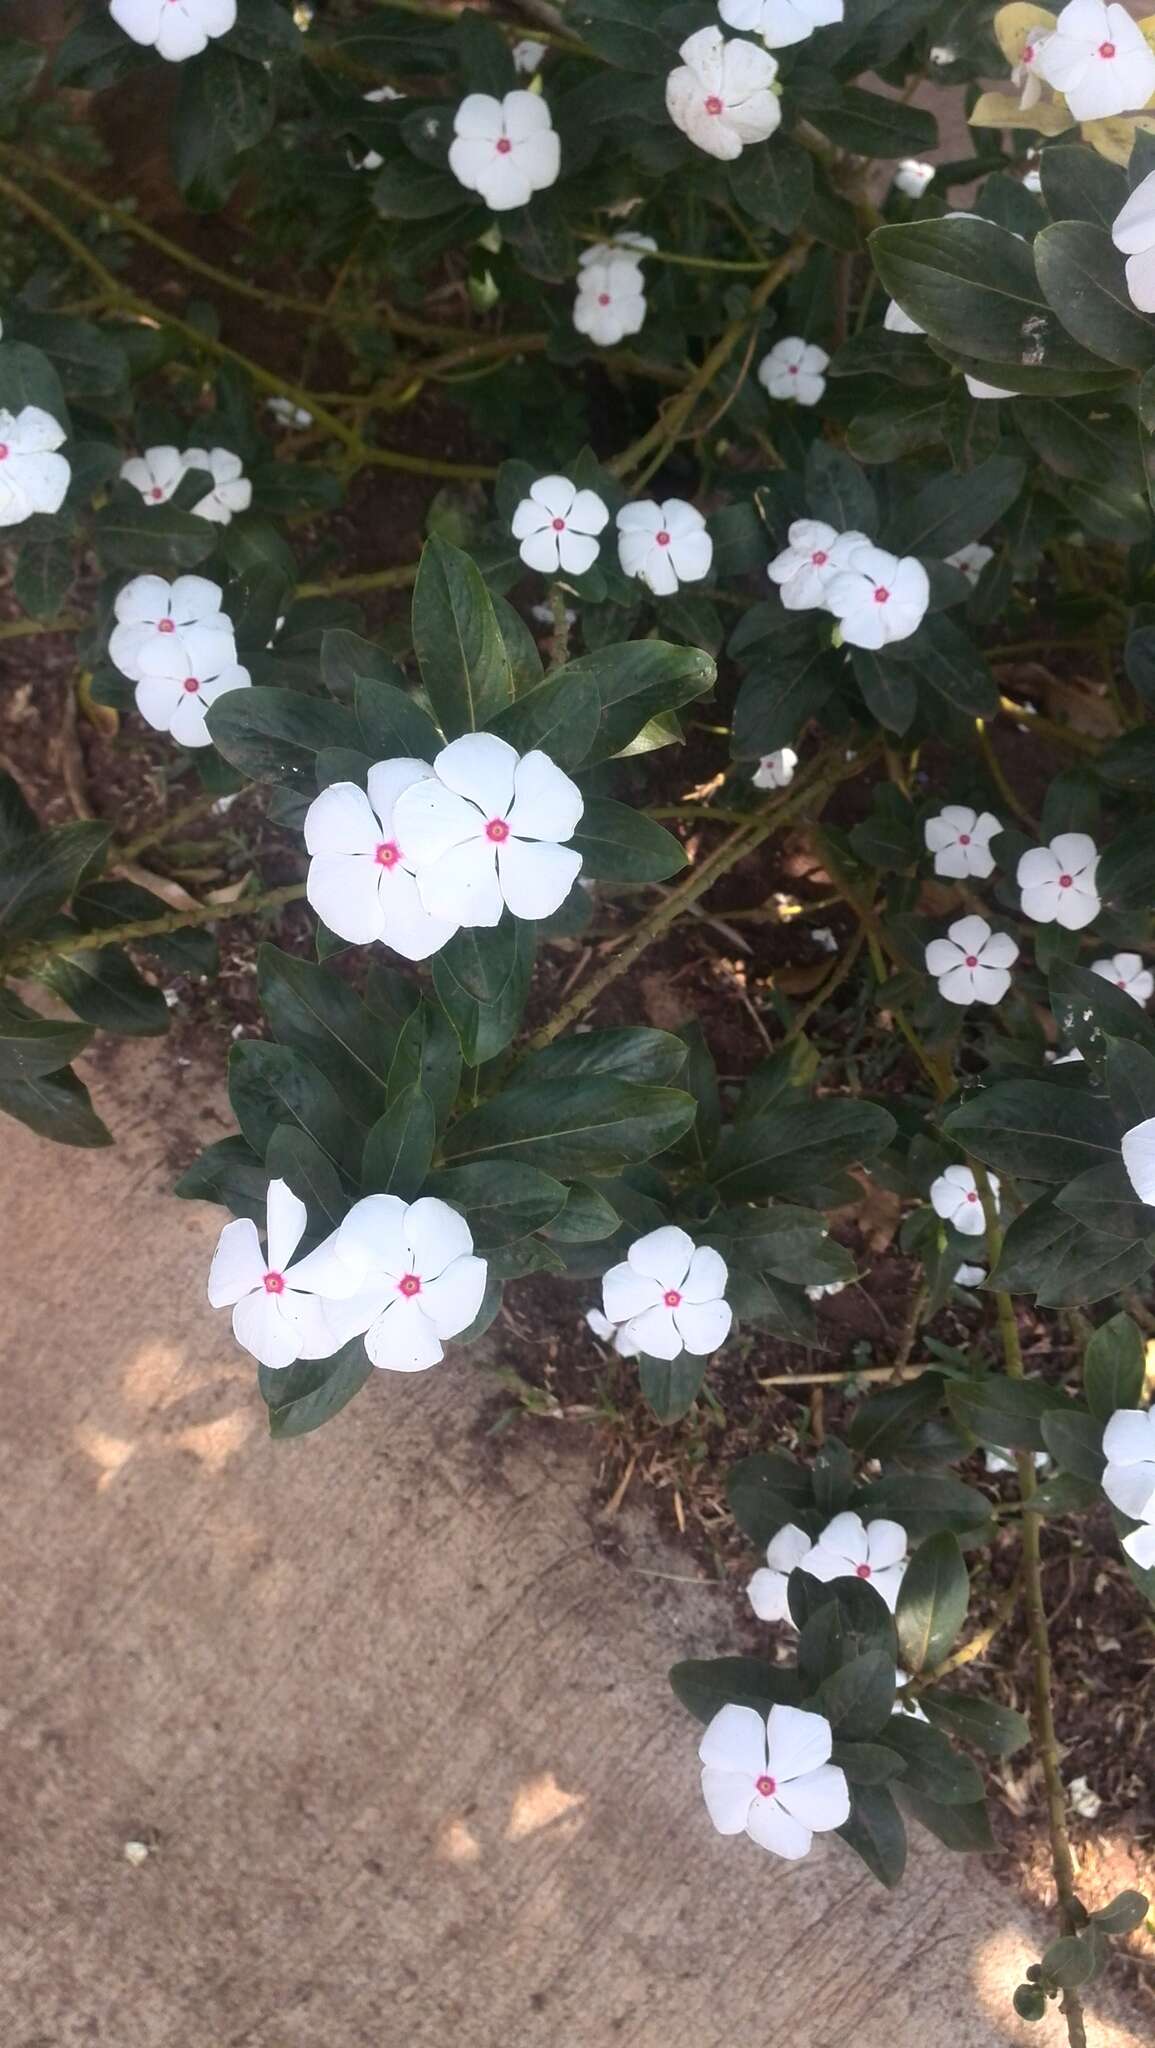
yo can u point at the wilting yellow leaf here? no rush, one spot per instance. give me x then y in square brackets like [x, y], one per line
[1013, 24]
[1115, 139]
[1002, 110]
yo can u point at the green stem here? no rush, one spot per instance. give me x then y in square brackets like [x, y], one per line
[559, 641]
[26, 961]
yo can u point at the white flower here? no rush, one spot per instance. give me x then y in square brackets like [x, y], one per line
[878, 597]
[1099, 59]
[722, 95]
[850, 1548]
[1133, 233]
[978, 389]
[822, 1290]
[484, 831]
[527, 56]
[1127, 972]
[155, 474]
[955, 1197]
[767, 1588]
[557, 526]
[772, 1779]
[609, 1333]
[815, 553]
[776, 770]
[187, 611]
[959, 839]
[287, 413]
[780, 22]
[360, 881]
[1129, 1478]
[896, 321]
[668, 1295]
[277, 1311]
[173, 697]
[1084, 1800]
[969, 1276]
[794, 369]
[231, 492]
[33, 477]
[418, 1281]
[913, 177]
[176, 29]
[1026, 74]
[971, 560]
[1139, 1158]
[611, 301]
[824, 937]
[1032, 181]
[997, 1462]
[943, 53]
[505, 149]
[1058, 881]
[664, 545]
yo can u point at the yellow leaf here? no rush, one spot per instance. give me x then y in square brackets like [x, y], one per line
[1013, 24]
[1115, 139]
[1002, 110]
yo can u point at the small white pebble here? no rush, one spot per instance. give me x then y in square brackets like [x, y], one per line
[136, 1853]
[824, 937]
[1086, 1803]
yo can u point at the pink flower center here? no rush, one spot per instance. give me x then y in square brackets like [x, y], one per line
[559, 525]
[156, 493]
[191, 684]
[1120, 984]
[964, 839]
[603, 298]
[672, 1298]
[1028, 53]
[862, 1571]
[1066, 881]
[882, 594]
[972, 960]
[793, 368]
[766, 1786]
[165, 626]
[4, 451]
[497, 830]
[819, 558]
[714, 104]
[409, 1286]
[663, 539]
[388, 854]
[972, 1196]
[504, 146]
[1106, 50]
[274, 1283]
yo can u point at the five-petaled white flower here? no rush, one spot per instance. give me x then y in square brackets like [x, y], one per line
[176, 29]
[955, 1197]
[722, 94]
[776, 770]
[960, 840]
[188, 612]
[971, 560]
[504, 149]
[664, 545]
[773, 1779]
[33, 477]
[1126, 971]
[878, 597]
[485, 831]
[173, 698]
[913, 177]
[155, 474]
[1058, 881]
[230, 491]
[971, 964]
[557, 526]
[1099, 59]
[794, 369]
[850, 1548]
[418, 1280]
[815, 553]
[780, 22]
[669, 1295]
[767, 1589]
[1129, 1478]
[277, 1312]
[611, 301]
[360, 881]
[1133, 232]
[1139, 1158]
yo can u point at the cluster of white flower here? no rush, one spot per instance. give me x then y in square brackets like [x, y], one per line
[505, 150]
[661, 545]
[1096, 56]
[158, 473]
[33, 477]
[794, 370]
[876, 597]
[1129, 1478]
[432, 849]
[611, 294]
[667, 1296]
[176, 29]
[848, 1548]
[174, 641]
[402, 1275]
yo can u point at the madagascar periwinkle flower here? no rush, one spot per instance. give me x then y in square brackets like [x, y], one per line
[664, 545]
[722, 94]
[804, 569]
[176, 29]
[776, 770]
[276, 1303]
[558, 525]
[955, 1197]
[611, 301]
[1058, 881]
[913, 177]
[187, 613]
[1133, 232]
[361, 881]
[668, 1295]
[1125, 971]
[173, 698]
[33, 476]
[960, 840]
[794, 369]
[1099, 59]
[1129, 1477]
[767, 1589]
[780, 22]
[408, 1280]
[485, 832]
[972, 963]
[850, 1548]
[878, 597]
[504, 149]
[772, 1778]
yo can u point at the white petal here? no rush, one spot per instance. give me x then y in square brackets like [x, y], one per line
[767, 1595]
[403, 1338]
[435, 1235]
[406, 924]
[820, 1799]
[706, 1276]
[627, 1293]
[285, 1221]
[462, 887]
[735, 1740]
[655, 1332]
[1129, 1438]
[555, 494]
[588, 514]
[546, 804]
[796, 1742]
[480, 767]
[534, 877]
[238, 1263]
[1140, 1545]
[773, 1828]
[345, 891]
[886, 1542]
[786, 1550]
[577, 552]
[703, 1325]
[846, 1537]
[663, 1255]
[430, 820]
[540, 551]
[1131, 1488]
[342, 820]
[452, 1300]
[372, 1237]
[262, 1330]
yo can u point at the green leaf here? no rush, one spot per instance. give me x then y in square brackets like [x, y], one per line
[275, 1084]
[997, 1730]
[100, 906]
[858, 1698]
[932, 1603]
[866, 1763]
[103, 987]
[966, 1829]
[876, 1833]
[671, 1386]
[586, 1219]
[1075, 1442]
[43, 578]
[1079, 184]
[951, 510]
[312, 1008]
[275, 735]
[406, 190]
[1083, 278]
[765, 1491]
[885, 1423]
[224, 105]
[933, 1769]
[573, 1128]
[298, 1160]
[230, 1173]
[870, 125]
[706, 1684]
[925, 1503]
[427, 1050]
[795, 1146]
[1034, 1130]
[17, 818]
[130, 534]
[620, 844]
[482, 978]
[1126, 1912]
[635, 683]
[31, 1045]
[500, 1201]
[776, 185]
[1070, 1962]
[779, 695]
[945, 656]
[1130, 1071]
[1089, 1011]
[889, 689]
[838, 491]
[1082, 438]
[56, 1106]
[460, 652]
[632, 1052]
[1005, 1414]
[972, 286]
[392, 725]
[1114, 1368]
[39, 871]
[399, 1148]
[28, 378]
[310, 1393]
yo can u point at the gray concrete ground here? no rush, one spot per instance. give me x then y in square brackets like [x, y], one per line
[397, 1735]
